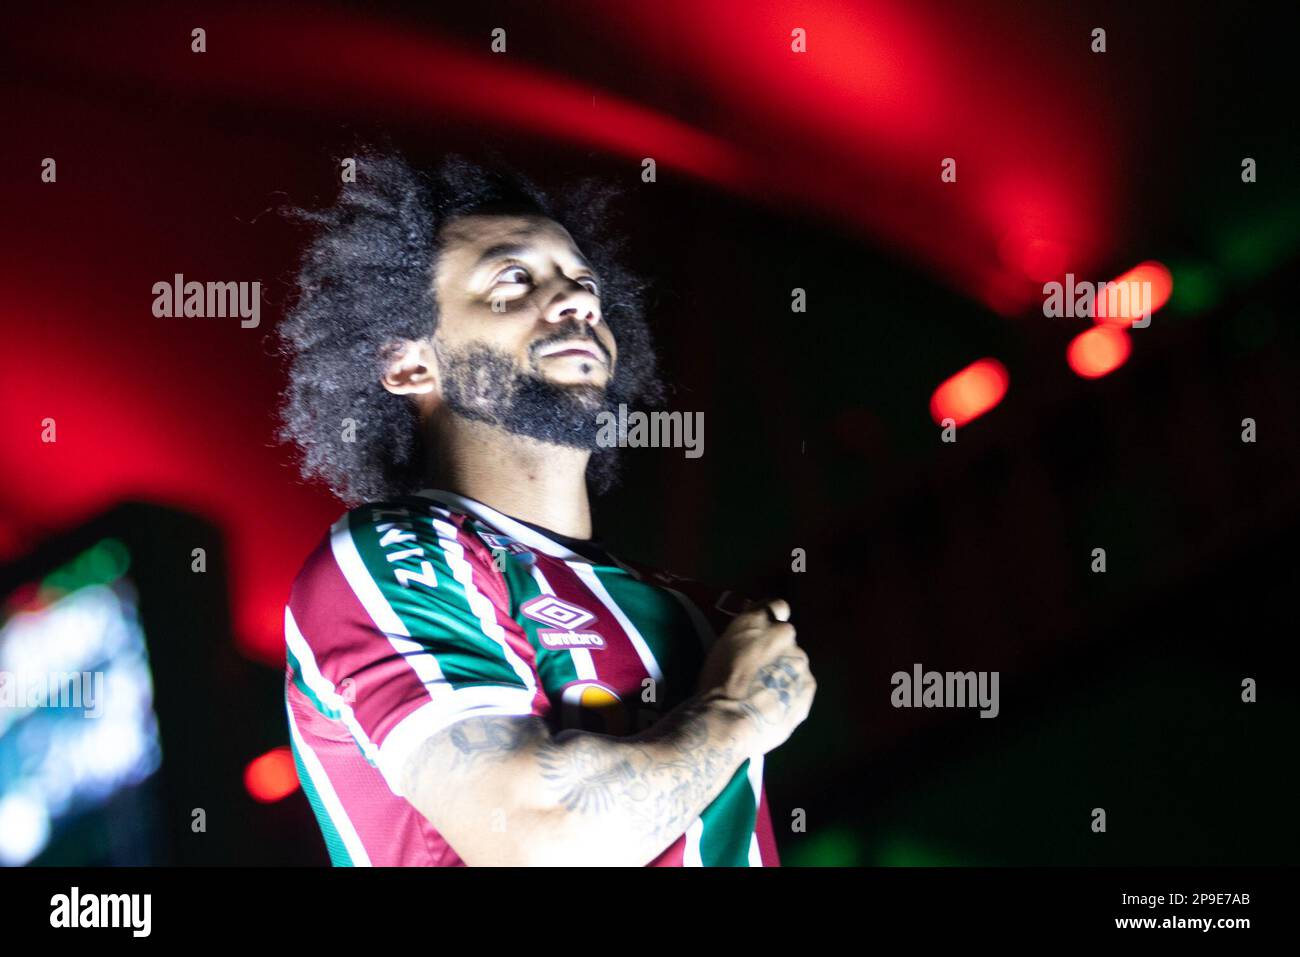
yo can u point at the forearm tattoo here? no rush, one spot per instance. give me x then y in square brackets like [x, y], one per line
[659, 778]
[660, 789]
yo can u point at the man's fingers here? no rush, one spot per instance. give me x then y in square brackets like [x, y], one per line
[765, 612]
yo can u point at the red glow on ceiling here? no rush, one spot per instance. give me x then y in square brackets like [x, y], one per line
[1098, 351]
[272, 776]
[854, 128]
[1142, 290]
[971, 392]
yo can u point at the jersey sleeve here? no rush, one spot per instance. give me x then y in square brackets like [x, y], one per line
[399, 625]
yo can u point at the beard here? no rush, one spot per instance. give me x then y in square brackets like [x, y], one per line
[485, 385]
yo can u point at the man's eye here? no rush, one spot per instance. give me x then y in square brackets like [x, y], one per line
[505, 274]
[591, 286]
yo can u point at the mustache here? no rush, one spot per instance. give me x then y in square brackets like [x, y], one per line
[571, 332]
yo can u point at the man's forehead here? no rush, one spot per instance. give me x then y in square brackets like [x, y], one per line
[477, 233]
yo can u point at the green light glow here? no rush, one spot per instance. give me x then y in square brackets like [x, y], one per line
[104, 562]
[835, 847]
[1260, 246]
[1196, 288]
[904, 852]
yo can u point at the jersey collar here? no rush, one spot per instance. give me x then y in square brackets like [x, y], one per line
[504, 524]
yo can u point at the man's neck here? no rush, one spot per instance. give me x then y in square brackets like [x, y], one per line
[523, 478]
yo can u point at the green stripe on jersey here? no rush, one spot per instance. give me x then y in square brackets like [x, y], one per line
[728, 823]
[298, 682]
[439, 617]
[661, 621]
[339, 856]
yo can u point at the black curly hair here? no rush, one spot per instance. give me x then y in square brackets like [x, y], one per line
[365, 283]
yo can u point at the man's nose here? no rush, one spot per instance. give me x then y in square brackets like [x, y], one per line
[580, 305]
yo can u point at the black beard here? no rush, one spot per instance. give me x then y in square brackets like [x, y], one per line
[485, 385]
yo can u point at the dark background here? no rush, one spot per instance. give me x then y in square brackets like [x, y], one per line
[775, 171]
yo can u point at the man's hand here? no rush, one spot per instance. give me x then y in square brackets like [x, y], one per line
[757, 664]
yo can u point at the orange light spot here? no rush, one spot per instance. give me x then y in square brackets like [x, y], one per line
[1146, 285]
[1098, 351]
[271, 776]
[970, 393]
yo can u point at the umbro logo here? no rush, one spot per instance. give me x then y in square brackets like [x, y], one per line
[556, 640]
[556, 612]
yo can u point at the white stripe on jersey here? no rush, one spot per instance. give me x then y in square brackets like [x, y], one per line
[447, 704]
[691, 851]
[463, 572]
[322, 686]
[328, 797]
[372, 599]
[701, 624]
[597, 588]
[756, 782]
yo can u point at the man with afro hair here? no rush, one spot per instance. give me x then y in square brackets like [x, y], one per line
[472, 678]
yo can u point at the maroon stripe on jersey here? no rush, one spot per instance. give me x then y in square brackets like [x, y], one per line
[673, 856]
[392, 831]
[342, 636]
[766, 835]
[619, 668]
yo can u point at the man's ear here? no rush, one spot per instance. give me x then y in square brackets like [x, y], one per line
[411, 368]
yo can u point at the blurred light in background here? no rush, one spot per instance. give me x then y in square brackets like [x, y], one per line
[1098, 351]
[1128, 299]
[76, 698]
[1198, 287]
[272, 776]
[971, 392]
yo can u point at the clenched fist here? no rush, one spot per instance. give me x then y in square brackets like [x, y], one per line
[757, 664]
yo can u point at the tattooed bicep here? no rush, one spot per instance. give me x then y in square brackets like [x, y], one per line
[449, 758]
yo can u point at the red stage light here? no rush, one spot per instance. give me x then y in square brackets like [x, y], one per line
[971, 392]
[1129, 302]
[272, 776]
[1098, 351]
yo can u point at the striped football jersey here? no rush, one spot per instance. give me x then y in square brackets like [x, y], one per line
[426, 609]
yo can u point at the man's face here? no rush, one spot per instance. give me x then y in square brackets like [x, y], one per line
[521, 341]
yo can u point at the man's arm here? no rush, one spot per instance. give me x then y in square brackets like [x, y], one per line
[504, 791]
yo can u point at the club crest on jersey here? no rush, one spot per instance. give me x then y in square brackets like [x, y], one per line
[592, 706]
[495, 541]
[556, 612]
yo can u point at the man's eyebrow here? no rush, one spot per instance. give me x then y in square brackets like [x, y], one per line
[500, 251]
